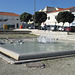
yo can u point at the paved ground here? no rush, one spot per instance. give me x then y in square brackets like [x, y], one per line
[55, 34]
[63, 66]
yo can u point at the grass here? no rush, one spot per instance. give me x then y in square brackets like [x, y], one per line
[17, 35]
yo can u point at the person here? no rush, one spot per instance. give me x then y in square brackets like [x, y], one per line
[45, 27]
[55, 28]
[21, 27]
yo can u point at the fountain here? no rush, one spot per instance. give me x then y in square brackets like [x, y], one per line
[46, 38]
[30, 48]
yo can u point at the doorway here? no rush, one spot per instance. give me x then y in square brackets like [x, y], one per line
[17, 25]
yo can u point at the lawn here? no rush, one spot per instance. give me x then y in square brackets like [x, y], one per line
[17, 35]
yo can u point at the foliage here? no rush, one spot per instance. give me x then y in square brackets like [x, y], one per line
[40, 17]
[65, 16]
[25, 17]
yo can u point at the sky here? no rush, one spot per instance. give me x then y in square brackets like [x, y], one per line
[21, 6]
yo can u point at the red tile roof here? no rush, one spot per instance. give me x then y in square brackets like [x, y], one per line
[62, 9]
[8, 14]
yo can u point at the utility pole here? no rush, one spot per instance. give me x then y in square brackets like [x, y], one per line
[34, 12]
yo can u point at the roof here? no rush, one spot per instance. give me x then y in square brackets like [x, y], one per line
[8, 14]
[61, 9]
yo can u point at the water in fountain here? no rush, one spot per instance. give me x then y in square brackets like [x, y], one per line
[46, 37]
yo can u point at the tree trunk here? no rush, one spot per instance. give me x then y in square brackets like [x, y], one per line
[63, 27]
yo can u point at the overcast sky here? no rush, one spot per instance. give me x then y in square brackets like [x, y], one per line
[20, 6]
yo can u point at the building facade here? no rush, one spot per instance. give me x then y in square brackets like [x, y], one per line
[49, 9]
[52, 21]
[10, 19]
[73, 23]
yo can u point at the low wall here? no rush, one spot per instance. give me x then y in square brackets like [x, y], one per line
[9, 53]
[15, 31]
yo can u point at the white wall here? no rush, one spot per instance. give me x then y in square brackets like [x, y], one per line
[53, 21]
[12, 20]
[74, 19]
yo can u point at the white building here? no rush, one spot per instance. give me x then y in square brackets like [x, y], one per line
[9, 19]
[73, 23]
[51, 17]
[49, 9]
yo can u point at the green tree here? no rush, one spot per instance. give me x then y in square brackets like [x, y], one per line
[40, 17]
[65, 16]
[25, 17]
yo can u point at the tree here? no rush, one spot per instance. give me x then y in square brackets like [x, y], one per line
[25, 17]
[40, 17]
[65, 16]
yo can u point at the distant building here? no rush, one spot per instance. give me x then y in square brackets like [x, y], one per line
[10, 19]
[51, 17]
[73, 23]
[49, 9]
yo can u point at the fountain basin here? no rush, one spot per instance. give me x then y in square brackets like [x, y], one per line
[33, 49]
[36, 55]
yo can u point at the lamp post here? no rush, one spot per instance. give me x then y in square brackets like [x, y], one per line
[34, 12]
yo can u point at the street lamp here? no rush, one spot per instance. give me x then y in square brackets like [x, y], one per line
[34, 12]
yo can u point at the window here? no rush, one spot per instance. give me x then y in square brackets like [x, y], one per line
[73, 23]
[17, 19]
[17, 25]
[55, 17]
[48, 18]
[5, 19]
[1, 20]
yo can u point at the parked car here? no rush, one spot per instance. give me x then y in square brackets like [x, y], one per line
[60, 29]
[52, 28]
[68, 29]
[31, 27]
[48, 27]
[71, 29]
